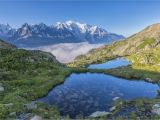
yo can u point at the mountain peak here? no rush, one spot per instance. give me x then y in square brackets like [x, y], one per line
[41, 26]
[25, 31]
[152, 31]
[6, 30]
[25, 24]
[69, 22]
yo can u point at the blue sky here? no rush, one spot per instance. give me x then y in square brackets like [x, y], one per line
[123, 17]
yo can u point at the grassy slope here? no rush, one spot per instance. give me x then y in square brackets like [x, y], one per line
[26, 76]
[6, 45]
[146, 60]
[146, 39]
[142, 49]
[119, 48]
[145, 65]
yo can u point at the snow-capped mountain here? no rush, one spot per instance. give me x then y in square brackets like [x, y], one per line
[66, 32]
[6, 31]
[83, 31]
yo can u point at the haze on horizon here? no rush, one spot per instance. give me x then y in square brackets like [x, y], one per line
[122, 17]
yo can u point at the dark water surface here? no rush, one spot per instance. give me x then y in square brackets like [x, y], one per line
[86, 93]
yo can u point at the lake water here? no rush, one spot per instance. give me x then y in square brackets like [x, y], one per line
[111, 64]
[85, 93]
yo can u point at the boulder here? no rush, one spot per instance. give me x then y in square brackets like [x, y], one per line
[31, 105]
[8, 105]
[99, 114]
[149, 80]
[24, 116]
[156, 109]
[36, 117]
[12, 114]
[1, 89]
[112, 108]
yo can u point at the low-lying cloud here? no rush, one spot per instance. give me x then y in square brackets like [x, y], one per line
[67, 52]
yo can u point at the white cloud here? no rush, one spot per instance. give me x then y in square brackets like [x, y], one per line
[66, 52]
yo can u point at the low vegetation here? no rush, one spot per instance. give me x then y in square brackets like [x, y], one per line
[26, 76]
[143, 51]
[31, 75]
[144, 40]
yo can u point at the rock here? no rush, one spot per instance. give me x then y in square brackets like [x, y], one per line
[156, 109]
[99, 114]
[13, 114]
[112, 108]
[120, 103]
[24, 116]
[31, 105]
[8, 105]
[1, 89]
[116, 98]
[158, 91]
[36, 117]
[149, 80]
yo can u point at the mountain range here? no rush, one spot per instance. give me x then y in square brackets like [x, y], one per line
[65, 32]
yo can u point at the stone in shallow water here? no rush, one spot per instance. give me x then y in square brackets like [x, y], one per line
[149, 79]
[156, 109]
[99, 114]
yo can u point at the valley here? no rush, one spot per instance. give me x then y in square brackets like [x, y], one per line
[141, 49]
[67, 52]
[34, 82]
[79, 60]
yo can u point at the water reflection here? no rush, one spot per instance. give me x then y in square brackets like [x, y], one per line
[86, 93]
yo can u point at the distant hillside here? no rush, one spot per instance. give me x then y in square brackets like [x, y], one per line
[3, 44]
[144, 40]
[7, 49]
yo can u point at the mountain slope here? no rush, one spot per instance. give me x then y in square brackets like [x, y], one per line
[67, 32]
[3, 44]
[146, 39]
[6, 30]
[23, 76]
[26, 76]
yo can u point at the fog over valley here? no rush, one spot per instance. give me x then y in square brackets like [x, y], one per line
[67, 52]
